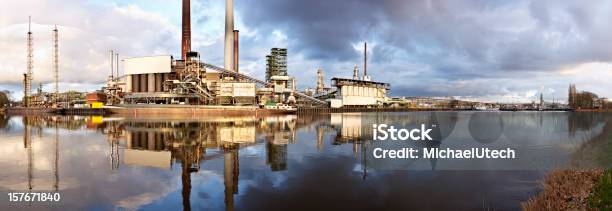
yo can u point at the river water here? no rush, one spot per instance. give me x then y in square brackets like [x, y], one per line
[288, 162]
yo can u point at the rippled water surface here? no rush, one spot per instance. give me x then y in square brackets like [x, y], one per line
[288, 162]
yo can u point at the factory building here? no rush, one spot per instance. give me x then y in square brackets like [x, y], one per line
[189, 81]
[147, 74]
[282, 86]
[238, 93]
[164, 80]
[276, 63]
[146, 81]
[351, 92]
[356, 92]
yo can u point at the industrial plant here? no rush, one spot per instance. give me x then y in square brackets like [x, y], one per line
[159, 84]
[164, 81]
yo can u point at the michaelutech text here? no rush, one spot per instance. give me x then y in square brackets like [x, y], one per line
[472, 153]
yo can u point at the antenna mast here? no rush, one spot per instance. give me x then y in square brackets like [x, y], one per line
[28, 77]
[56, 62]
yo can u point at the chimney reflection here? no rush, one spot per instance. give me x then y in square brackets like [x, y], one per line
[231, 171]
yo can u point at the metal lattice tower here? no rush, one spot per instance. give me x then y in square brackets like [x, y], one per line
[56, 63]
[28, 77]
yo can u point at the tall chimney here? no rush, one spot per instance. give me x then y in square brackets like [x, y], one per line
[236, 47]
[365, 59]
[229, 35]
[112, 64]
[186, 38]
[117, 63]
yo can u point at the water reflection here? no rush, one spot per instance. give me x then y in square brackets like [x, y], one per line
[198, 150]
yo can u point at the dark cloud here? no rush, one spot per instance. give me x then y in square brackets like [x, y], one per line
[518, 35]
[320, 29]
[455, 40]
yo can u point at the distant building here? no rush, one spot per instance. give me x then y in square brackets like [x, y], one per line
[600, 103]
[276, 63]
[352, 92]
[96, 99]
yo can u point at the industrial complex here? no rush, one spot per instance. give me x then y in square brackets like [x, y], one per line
[187, 84]
[164, 80]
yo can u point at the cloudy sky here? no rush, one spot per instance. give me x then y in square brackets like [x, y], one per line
[489, 50]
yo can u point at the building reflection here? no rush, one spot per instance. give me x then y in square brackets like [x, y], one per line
[278, 132]
[161, 143]
[350, 130]
[356, 129]
[190, 144]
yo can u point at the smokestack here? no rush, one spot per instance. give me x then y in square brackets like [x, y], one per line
[186, 38]
[112, 63]
[236, 47]
[229, 36]
[365, 59]
[117, 63]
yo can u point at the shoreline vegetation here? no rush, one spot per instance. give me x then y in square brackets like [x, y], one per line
[574, 190]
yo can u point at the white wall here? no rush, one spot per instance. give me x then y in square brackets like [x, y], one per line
[150, 64]
[359, 95]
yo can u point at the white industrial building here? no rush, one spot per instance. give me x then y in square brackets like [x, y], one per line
[163, 80]
[147, 74]
[356, 93]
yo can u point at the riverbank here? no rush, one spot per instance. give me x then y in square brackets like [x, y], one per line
[580, 189]
[593, 110]
[574, 190]
[28, 111]
[187, 110]
[146, 110]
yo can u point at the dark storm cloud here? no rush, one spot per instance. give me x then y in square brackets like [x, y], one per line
[469, 36]
[321, 29]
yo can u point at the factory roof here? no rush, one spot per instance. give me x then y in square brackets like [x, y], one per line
[347, 81]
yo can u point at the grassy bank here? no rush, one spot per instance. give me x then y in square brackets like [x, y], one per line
[574, 190]
[601, 195]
